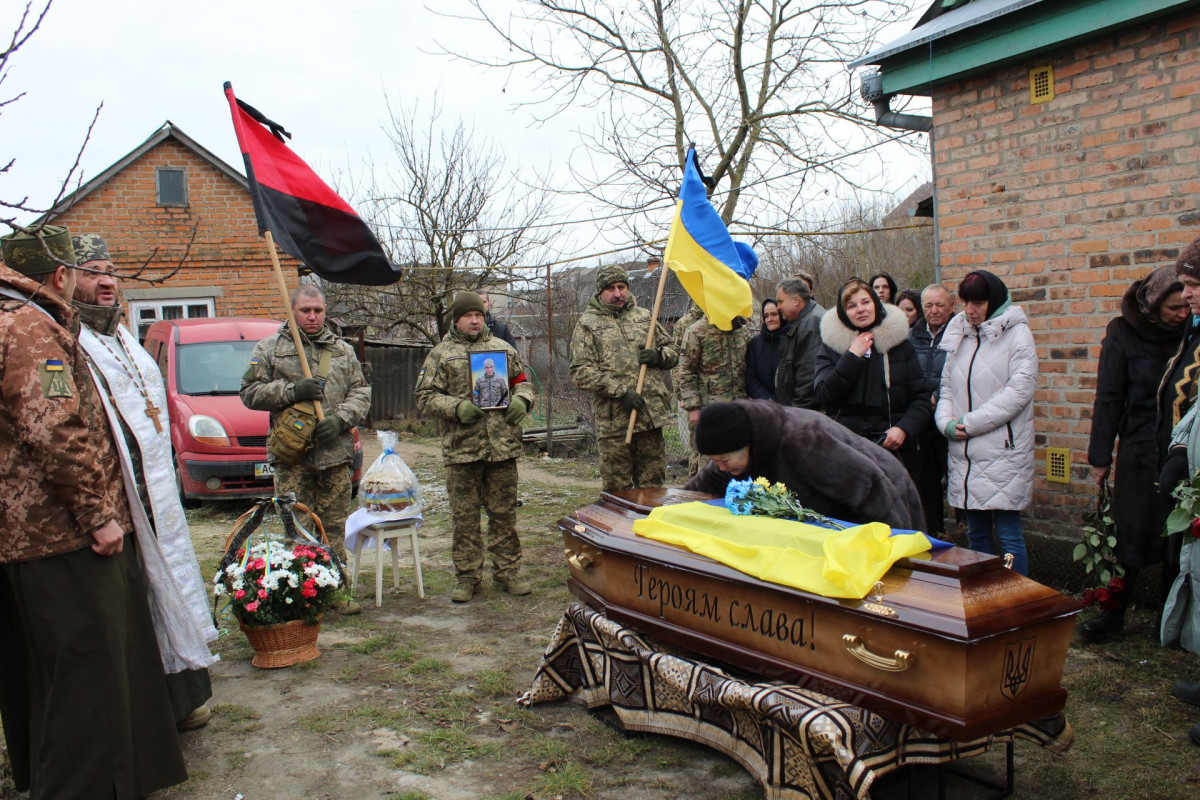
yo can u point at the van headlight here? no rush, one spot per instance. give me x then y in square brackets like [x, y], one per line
[206, 430]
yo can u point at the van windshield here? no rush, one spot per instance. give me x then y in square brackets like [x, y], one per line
[213, 367]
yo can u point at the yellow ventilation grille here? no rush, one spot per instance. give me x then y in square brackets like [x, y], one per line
[1041, 85]
[1058, 465]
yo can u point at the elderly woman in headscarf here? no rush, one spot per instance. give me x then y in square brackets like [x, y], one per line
[868, 375]
[1133, 357]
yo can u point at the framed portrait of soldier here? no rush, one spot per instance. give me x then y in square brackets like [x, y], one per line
[489, 379]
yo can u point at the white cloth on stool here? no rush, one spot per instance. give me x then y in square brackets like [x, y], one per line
[358, 522]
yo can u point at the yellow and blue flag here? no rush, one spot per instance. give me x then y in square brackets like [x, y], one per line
[712, 267]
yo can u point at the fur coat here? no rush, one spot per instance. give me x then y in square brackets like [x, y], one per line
[830, 469]
[885, 389]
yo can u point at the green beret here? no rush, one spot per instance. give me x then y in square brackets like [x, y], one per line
[607, 276]
[27, 254]
[90, 247]
[464, 302]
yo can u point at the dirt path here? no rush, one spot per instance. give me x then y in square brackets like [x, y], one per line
[531, 468]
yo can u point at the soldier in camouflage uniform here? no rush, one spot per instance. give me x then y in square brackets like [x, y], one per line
[274, 380]
[82, 690]
[712, 369]
[479, 447]
[491, 390]
[607, 349]
[694, 314]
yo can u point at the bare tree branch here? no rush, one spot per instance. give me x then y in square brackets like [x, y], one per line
[760, 85]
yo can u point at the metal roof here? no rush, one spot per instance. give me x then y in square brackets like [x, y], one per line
[974, 13]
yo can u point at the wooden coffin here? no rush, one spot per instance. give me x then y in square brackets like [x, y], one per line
[953, 643]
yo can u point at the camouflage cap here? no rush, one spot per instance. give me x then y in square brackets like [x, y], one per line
[607, 276]
[90, 247]
[26, 253]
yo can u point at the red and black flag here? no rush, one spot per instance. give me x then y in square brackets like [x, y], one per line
[307, 218]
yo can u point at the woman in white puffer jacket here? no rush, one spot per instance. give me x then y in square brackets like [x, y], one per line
[985, 408]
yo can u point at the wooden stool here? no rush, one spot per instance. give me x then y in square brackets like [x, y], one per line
[381, 533]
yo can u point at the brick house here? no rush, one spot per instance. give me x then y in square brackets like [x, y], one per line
[146, 206]
[1065, 138]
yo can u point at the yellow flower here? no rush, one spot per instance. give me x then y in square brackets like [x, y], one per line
[763, 482]
[779, 489]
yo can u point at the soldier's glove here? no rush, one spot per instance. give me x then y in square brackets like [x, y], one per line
[307, 389]
[467, 412]
[631, 400]
[516, 411]
[650, 357]
[328, 428]
[1174, 470]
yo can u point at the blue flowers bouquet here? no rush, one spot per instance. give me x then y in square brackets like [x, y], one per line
[760, 497]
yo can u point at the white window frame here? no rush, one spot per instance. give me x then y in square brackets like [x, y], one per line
[138, 323]
[158, 194]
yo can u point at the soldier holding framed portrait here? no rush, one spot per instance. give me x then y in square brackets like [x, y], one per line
[475, 385]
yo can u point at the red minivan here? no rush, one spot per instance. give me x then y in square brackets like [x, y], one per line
[220, 445]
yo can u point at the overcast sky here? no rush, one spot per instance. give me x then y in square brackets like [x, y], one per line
[320, 69]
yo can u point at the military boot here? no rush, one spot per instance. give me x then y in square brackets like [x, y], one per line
[1103, 626]
[513, 585]
[465, 589]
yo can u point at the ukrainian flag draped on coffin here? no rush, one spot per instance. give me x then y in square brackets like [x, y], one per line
[711, 266]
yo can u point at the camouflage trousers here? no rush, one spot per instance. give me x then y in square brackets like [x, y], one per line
[643, 462]
[696, 459]
[492, 487]
[326, 492]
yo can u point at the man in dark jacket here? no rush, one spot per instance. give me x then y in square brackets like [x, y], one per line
[499, 329]
[801, 339]
[937, 303]
[762, 354]
[829, 468]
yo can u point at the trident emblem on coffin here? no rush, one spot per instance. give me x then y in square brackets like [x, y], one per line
[1018, 666]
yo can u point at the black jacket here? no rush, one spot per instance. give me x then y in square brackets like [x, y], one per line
[499, 329]
[1133, 358]
[870, 395]
[932, 357]
[762, 362]
[797, 358]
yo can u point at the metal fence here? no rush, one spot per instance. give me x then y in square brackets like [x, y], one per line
[392, 371]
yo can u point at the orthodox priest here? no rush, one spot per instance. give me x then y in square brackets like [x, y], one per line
[82, 693]
[135, 403]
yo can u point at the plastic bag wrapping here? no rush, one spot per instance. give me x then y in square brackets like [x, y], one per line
[389, 489]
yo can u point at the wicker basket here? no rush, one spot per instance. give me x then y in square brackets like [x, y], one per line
[283, 645]
[287, 643]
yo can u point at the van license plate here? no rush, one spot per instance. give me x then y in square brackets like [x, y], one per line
[264, 470]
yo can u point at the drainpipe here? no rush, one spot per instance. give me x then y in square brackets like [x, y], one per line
[872, 92]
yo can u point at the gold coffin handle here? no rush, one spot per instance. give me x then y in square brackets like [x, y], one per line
[579, 561]
[900, 662]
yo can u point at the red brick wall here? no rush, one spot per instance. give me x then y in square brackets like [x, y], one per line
[228, 251]
[1070, 201]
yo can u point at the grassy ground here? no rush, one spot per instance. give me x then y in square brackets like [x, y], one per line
[416, 699]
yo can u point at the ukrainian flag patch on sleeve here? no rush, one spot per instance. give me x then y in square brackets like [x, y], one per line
[55, 379]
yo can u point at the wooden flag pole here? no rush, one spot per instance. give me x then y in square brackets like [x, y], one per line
[291, 318]
[662, 284]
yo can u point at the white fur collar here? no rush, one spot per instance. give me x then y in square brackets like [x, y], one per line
[839, 337]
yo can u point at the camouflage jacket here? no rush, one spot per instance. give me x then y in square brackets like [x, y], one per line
[445, 381]
[275, 366]
[60, 478]
[712, 368]
[693, 315]
[604, 361]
